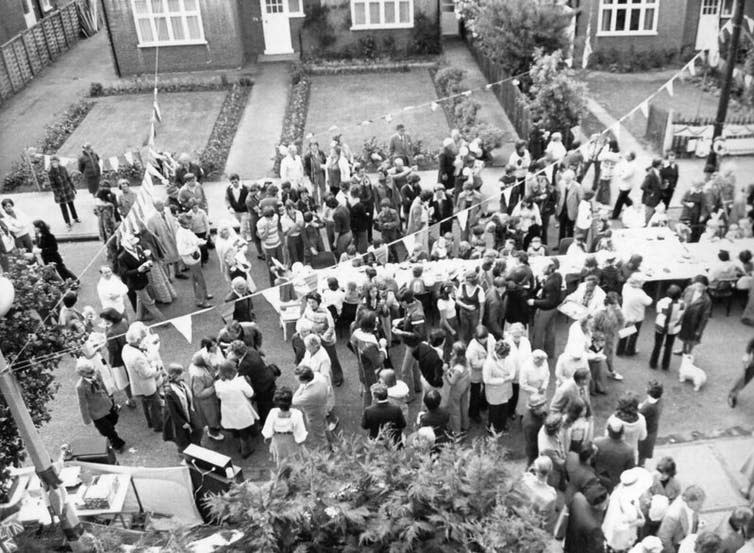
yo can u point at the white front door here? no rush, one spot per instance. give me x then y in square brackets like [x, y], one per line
[29, 16]
[448, 19]
[277, 30]
[709, 26]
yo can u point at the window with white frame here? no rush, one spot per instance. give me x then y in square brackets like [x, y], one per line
[628, 17]
[382, 14]
[168, 22]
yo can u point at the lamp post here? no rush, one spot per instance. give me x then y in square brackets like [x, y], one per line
[43, 465]
[722, 106]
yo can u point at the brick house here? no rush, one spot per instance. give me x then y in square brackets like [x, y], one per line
[211, 34]
[17, 15]
[647, 25]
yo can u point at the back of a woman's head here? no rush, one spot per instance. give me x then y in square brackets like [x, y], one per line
[367, 321]
[432, 400]
[628, 407]
[227, 370]
[283, 398]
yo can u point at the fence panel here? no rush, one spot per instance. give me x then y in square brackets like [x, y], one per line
[30, 51]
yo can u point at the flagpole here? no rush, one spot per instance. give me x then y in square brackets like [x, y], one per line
[722, 106]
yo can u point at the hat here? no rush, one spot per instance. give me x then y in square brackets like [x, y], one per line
[54, 158]
[536, 400]
[630, 477]
[652, 544]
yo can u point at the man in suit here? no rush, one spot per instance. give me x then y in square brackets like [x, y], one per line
[568, 203]
[584, 531]
[613, 455]
[651, 188]
[494, 311]
[179, 408]
[235, 202]
[383, 416]
[96, 405]
[242, 304]
[580, 470]
[401, 146]
[681, 518]
[576, 387]
[259, 374]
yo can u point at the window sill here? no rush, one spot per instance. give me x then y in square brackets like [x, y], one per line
[626, 33]
[382, 27]
[172, 43]
[296, 15]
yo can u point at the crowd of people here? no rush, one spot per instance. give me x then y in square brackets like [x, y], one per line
[474, 349]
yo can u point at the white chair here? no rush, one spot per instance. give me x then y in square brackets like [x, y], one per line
[290, 312]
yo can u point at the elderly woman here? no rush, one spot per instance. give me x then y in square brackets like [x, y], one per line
[284, 428]
[609, 320]
[324, 326]
[111, 290]
[96, 405]
[145, 376]
[159, 283]
[202, 384]
[698, 310]
[533, 378]
[237, 414]
[498, 375]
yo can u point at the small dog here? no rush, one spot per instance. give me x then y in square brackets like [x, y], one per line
[689, 371]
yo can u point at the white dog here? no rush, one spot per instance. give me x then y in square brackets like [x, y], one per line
[689, 371]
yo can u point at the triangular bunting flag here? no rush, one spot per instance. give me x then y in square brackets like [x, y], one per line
[644, 107]
[490, 85]
[47, 162]
[692, 67]
[750, 23]
[183, 325]
[409, 241]
[408, 108]
[669, 87]
[387, 117]
[114, 163]
[434, 106]
[101, 166]
[129, 157]
[747, 80]
[466, 92]
[463, 218]
[507, 195]
[366, 122]
[333, 128]
[272, 295]
[309, 136]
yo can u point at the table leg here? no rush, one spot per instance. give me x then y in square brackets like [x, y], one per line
[136, 493]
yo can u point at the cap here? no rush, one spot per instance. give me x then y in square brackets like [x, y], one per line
[536, 400]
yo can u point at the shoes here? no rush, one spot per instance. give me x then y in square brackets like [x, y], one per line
[732, 401]
[158, 430]
[204, 304]
[219, 437]
[653, 367]
[338, 384]
[131, 404]
[210, 296]
[69, 226]
[182, 277]
[616, 376]
[121, 448]
[76, 221]
[678, 352]
[261, 257]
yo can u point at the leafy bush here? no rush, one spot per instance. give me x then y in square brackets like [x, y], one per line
[633, 60]
[465, 112]
[557, 97]
[374, 152]
[426, 36]
[367, 497]
[295, 113]
[448, 80]
[368, 47]
[144, 85]
[38, 290]
[316, 20]
[490, 136]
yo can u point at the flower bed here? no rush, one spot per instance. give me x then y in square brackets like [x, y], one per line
[294, 121]
[366, 66]
[215, 154]
[139, 85]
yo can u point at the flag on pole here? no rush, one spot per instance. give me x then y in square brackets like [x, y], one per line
[587, 45]
[149, 141]
[433, 106]
[156, 114]
[669, 87]
[644, 107]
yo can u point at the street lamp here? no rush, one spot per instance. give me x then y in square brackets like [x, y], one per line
[43, 466]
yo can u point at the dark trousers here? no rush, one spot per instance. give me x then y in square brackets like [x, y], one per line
[106, 427]
[622, 200]
[513, 400]
[545, 227]
[566, 225]
[476, 399]
[498, 417]
[152, 411]
[361, 240]
[337, 370]
[203, 250]
[627, 346]
[64, 208]
[659, 338]
[264, 404]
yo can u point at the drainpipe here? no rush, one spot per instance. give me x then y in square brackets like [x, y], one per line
[106, 17]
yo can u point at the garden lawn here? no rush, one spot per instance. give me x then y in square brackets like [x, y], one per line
[117, 124]
[619, 93]
[346, 100]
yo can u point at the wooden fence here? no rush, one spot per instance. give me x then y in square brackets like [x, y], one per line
[26, 54]
[510, 97]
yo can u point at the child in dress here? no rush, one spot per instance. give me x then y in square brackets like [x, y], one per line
[536, 248]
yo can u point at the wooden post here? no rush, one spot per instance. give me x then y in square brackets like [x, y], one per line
[31, 168]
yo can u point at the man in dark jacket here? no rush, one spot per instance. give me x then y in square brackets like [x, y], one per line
[651, 188]
[580, 470]
[89, 167]
[613, 455]
[383, 416]
[584, 531]
[179, 407]
[429, 358]
[532, 421]
[259, 374]
[360, 220]
[546, 303]
[235, 202]
[494, 310]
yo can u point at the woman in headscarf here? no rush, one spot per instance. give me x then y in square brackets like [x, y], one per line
[202, 383]
[111, 290]
[162, 288]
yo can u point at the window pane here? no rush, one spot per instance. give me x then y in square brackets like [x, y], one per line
[607, 19]
[622, 1]
[374, 13]
[404, 12]
[177, 25]
[190, 5]
[359, 13]
[194, 31]
[635, 14]
[174, 6]
[620, 20]
[161, 23]
[140, 6]
[649, 18]
[389, 12]
[157, 6]
[145, 29]
[294, 6]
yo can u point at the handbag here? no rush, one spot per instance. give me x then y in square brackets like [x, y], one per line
[559, 531]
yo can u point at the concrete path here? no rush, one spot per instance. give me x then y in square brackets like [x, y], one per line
[24, 117]
[251, 154]
[457, 54]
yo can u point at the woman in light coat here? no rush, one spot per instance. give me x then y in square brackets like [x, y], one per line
[498, 375]
[533, 378]
[237, 414]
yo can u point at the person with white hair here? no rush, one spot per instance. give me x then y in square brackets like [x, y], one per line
[135, 265]
[241, 302]
[111, 290]
[635, 303]
[291, 167]
[540, 495]
[96, 405]
[533, 378]
[189, 249]
[145, 377]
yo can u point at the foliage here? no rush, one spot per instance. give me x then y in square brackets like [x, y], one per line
[509, 32]
[557, 97]
[368, 497]
[349, 66]
[317, 22]
[215, 153]
[374, 152]
[448, 80]
[143, 84]
[368, 47]
[38, 291]
[295, 112]
[426, 36]
[56, 134]
[622, 60]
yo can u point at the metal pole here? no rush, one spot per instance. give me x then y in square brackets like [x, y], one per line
[722, 106]
[31, 168]
[43, 466]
